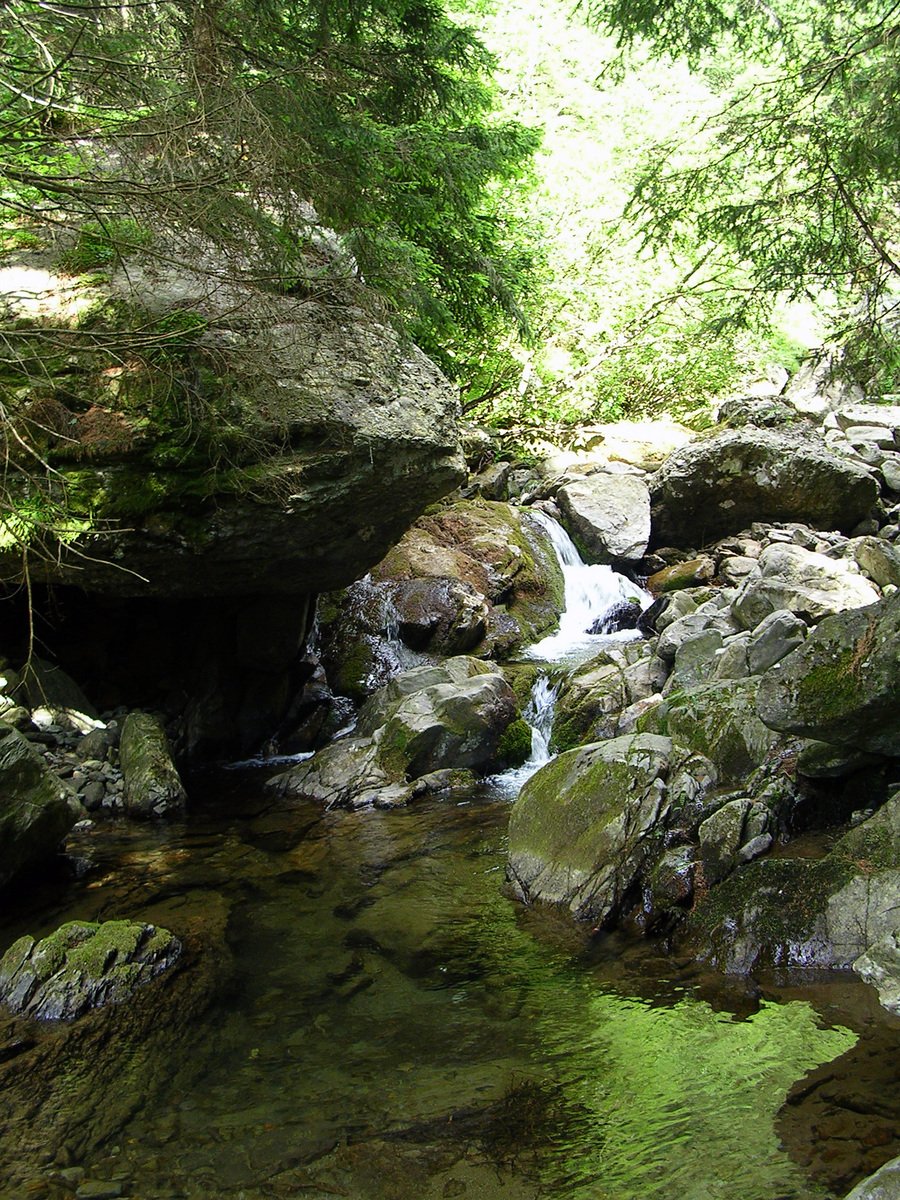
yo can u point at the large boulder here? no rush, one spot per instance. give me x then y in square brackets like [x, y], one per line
[801, 581]
[841, 685]
[83, 965]
[37, 810]
[260, 444]
[607, 516]
[587, 824]
[719, 720]
[724, 483]
[425, 723]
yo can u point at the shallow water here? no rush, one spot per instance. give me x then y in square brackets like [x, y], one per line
[397, 1027]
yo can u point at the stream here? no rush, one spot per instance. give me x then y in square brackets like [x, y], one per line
[395, 1027]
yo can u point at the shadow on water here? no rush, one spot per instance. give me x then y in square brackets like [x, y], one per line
[395, 1026]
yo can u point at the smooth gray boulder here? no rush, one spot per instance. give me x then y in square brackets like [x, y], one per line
[801, 581]
[841, 686]
[37, 809]
[153, 787]
[310, 434]
[83, 965]
[724, 483]
[883, 1184]
[607, 516]
[451, 716]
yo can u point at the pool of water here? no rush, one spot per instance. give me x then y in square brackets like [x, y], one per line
[395, 1026]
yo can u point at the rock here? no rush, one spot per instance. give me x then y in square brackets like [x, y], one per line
[719, 721]
[45, 685]
[317, 434]
[692, 573]
[802, 582]
[625, 614]
[890, 472]
[696, 660]
[83, 966]
[153, 787]
[37, 809]
[884, 1184]
[470, 576]
[876, 558]
[605, 686]
[880, 967]
[733, 834]
[765, 412]
[722, 484]
[432, 718]
[448, 616]
[584, 825]
[841, 685]
[807, 913]
[607, 516]
[774, 637]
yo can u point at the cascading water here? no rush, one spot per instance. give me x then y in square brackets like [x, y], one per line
[591, 592]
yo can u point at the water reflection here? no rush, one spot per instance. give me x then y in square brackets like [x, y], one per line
[394, 1028]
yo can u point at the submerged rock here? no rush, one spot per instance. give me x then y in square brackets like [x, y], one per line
[37, 809]
[83, 966]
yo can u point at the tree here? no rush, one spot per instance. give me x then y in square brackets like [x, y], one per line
[251, 123]
[792, 187]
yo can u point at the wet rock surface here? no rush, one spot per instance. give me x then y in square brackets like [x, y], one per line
[83, 966]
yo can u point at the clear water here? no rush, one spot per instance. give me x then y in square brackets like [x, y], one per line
[397, 1027]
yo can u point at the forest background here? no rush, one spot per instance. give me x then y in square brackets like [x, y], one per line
[619, 209]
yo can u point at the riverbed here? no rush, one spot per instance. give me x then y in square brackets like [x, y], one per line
[394, 1025]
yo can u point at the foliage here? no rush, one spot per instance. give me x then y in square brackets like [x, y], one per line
[792, 182]
[258, 125]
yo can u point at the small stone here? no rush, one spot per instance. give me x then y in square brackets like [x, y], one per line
[96, 1189]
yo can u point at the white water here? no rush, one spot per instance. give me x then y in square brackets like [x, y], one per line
[591, 591]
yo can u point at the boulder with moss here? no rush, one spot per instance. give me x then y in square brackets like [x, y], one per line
[231, 441]
[841, 685]
[153, 787]
[37, 809]
[83, 965]
[721, 484]
[802, 912]
[474, 576]
[588, 827]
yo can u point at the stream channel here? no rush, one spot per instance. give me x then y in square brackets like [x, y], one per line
[395, 1027]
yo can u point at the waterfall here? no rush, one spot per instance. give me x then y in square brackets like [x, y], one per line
[591, 592]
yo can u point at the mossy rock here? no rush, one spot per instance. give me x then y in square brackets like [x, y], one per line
[37, 809]
[82, 966]
[719, 720]
[584, 825]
